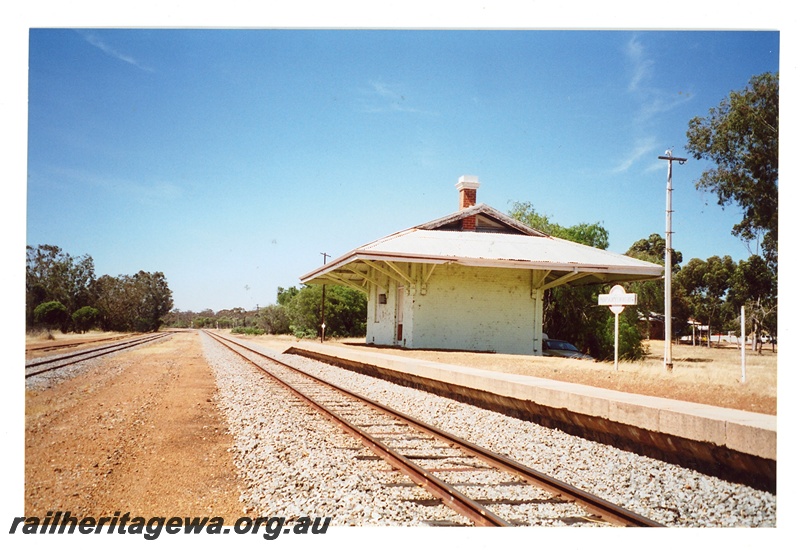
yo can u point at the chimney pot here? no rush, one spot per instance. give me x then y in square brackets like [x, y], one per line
[467, 191]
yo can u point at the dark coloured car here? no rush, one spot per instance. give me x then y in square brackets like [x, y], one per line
[562, 348]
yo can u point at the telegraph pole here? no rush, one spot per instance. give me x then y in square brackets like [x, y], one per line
[668, 263]
[322, 334]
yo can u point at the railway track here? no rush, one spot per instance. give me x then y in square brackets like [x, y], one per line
[41, 366]
[441, 463]
[58, 346]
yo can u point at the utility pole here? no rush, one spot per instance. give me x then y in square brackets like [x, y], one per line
[322, 333]
[668, 263]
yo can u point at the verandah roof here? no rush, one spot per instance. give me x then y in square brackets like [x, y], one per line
[507, 244]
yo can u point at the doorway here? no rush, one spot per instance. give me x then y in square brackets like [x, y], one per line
[399, 315]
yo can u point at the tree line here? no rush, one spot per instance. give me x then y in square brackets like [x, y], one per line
[62, 292]
[708, 291]
[298, 312]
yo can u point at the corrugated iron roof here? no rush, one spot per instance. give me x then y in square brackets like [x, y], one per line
[502, 250]
[499, 247]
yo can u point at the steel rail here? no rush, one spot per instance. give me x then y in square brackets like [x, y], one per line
[450, 496]
[57, 346]
[92, 353]
[606, 510]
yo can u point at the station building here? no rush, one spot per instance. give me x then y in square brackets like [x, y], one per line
[473, 280]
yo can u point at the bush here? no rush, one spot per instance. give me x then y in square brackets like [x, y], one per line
[51, 314]
[252, 331]
[345, 311]
[630, 339]
[274, 319]
[85, 318]
[303, 332]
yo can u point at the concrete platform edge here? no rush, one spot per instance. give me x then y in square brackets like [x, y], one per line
[750, 433]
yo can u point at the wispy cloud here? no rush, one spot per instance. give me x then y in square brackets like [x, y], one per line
[650, 102]
[653, 100]
[641, 65]
[157, 192]
[381, 97]
[93, 39]
[643, 147]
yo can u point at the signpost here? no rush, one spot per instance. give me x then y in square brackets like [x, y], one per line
[617, 299]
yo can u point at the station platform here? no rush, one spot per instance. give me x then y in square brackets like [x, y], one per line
[736, 445]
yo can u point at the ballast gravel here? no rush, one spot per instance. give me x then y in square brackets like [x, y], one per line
[295, 463]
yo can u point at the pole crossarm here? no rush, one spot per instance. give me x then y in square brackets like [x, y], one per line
[671, 158]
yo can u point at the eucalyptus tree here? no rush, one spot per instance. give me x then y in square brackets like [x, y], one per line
[651, 293]
[705, 285]
[571, 313]
[133, 303]
[754, 286]
[53, 275]
[740, 137]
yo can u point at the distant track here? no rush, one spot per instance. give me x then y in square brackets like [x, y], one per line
[55, 346]
[403, 430]
[41, 366]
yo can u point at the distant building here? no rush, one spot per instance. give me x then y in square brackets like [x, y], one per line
[473, 280]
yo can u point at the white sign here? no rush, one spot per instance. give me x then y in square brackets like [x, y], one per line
[617, 299]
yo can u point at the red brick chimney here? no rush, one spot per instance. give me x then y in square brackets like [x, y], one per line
[467, 196]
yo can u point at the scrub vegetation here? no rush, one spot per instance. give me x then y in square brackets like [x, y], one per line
[298, 312]
[62, 292]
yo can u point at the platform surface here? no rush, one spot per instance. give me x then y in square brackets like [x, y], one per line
[746, 432]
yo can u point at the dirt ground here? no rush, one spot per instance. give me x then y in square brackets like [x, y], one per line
[141, 435]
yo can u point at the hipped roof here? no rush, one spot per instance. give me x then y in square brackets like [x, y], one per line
[505, 243]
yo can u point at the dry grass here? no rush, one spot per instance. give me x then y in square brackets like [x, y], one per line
[58, 337]
[699, 374]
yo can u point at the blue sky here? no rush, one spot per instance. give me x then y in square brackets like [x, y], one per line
[231, 159]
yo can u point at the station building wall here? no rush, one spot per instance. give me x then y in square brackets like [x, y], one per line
[466, 308]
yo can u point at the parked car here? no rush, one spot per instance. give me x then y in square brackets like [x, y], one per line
[562, 348]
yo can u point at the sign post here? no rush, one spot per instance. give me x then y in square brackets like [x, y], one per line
[744, 345]
[617, 299]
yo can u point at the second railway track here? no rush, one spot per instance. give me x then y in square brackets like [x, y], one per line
[485, 487]
[51, 363]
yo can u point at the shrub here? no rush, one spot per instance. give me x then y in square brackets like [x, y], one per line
[51, 314]
[630, 339]
[252, 331]
[85, 318]
[303, 332]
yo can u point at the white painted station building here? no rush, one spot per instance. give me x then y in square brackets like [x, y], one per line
[473, 280]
